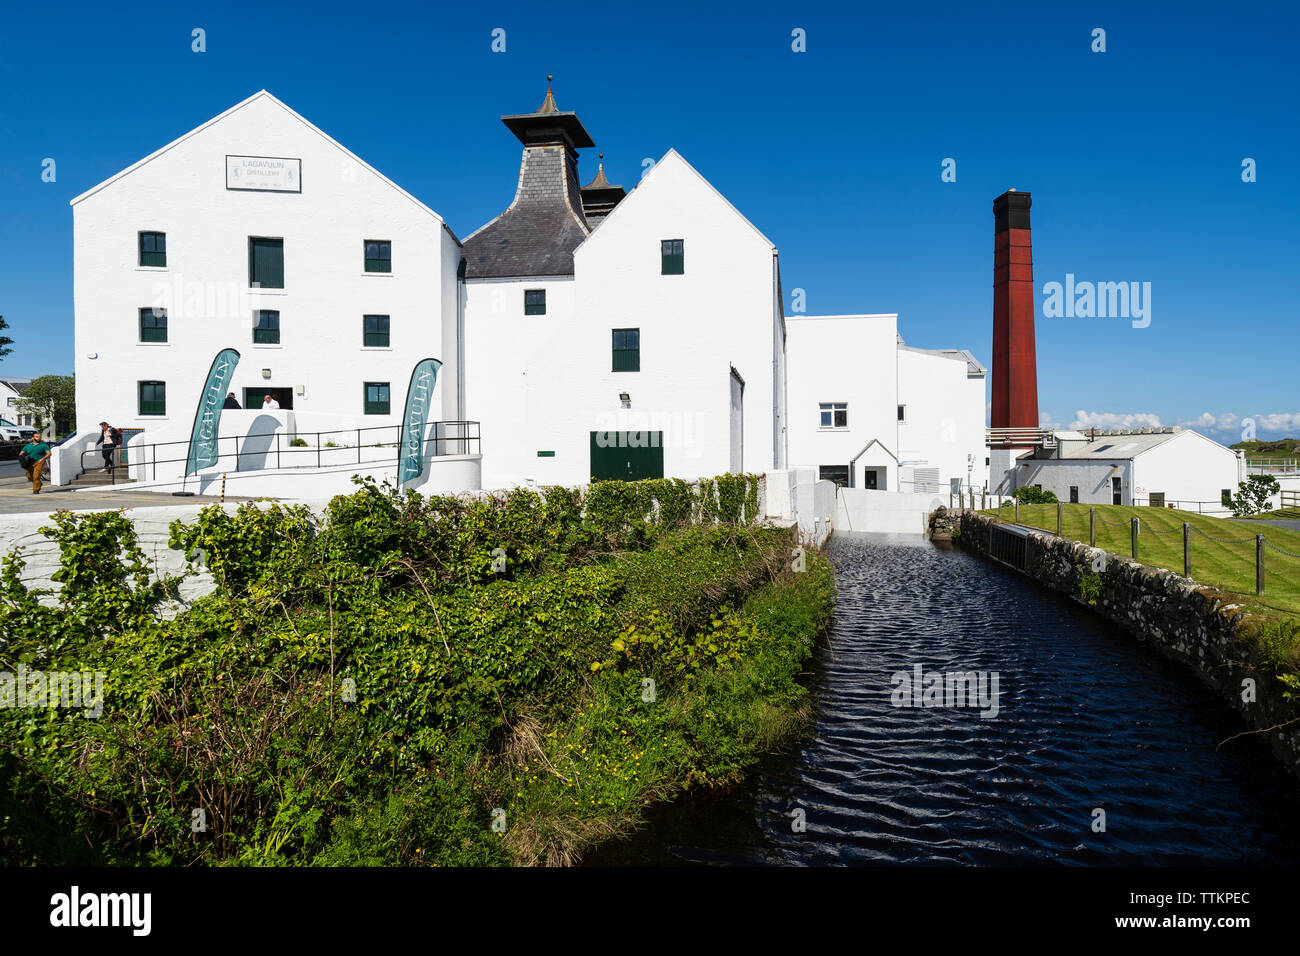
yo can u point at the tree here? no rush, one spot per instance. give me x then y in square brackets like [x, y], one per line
[5, 341]
[1253, 495]
[51, 400]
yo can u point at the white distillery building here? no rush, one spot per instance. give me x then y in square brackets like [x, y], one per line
[1161, 467]
[871, 412]
[11, 393]
[586, 332]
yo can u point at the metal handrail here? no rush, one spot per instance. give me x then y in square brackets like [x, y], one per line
[1266, 466]
[467, 434]
[1020, 436]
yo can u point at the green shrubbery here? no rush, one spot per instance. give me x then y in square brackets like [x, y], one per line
[1032, 495]
[369, 687]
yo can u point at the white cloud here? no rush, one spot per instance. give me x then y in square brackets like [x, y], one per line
[1230, 427]
[1084, 419]
[1288, 422]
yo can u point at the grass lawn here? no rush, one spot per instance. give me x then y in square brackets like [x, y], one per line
[1227, 563]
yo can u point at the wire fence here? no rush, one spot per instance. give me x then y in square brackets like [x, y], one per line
[1225, 562]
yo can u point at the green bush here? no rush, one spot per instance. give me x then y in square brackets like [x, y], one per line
[1030, 495]
[369, 687]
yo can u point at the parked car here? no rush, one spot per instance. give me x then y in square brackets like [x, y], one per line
[11, 432]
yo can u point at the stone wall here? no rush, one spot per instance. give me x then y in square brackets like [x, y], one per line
[1190, 623]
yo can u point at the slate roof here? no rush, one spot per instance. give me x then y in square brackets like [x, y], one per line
[1121, 447]
[539, 230]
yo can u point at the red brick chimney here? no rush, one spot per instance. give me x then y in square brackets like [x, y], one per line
[1015, 365]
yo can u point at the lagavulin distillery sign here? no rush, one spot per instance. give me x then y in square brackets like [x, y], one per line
[264, 173]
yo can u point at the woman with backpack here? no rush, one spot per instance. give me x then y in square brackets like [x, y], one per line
[110, 438]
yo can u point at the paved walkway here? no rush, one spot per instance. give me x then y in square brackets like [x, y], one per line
[16, 496]
[1291, 523]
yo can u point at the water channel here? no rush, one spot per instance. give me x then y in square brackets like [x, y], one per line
[1087, 719]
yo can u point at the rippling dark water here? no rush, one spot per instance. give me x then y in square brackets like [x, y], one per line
[1088, 719]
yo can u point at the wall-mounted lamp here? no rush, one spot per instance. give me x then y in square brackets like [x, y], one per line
[92, 355]
[626, 399]
[300, 389]
[266, 373]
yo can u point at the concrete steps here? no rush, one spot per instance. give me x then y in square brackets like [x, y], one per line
[100, 478]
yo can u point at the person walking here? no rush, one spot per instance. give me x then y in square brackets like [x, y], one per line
[231, 401]
[110, 438]
[35, 454]
[269, 404]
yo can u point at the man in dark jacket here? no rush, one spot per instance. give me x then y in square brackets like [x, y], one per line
[231, 401]
[110, 438]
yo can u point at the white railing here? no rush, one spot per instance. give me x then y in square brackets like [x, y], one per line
[1273, 466]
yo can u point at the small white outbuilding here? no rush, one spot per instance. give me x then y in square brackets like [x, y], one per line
[1161, 467]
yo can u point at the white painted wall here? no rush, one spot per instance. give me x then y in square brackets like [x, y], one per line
[181, 190]
[516, 377]
[448, 474]
[1092, 476]
[944, 416]
[544, 383]
[884, 512]
[844, 358]
[1188, 468]
[21, 532]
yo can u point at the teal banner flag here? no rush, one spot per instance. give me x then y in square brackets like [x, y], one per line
[207, 420]
[419, 399]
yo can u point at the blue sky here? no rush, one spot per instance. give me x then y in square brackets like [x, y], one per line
[1133, 156]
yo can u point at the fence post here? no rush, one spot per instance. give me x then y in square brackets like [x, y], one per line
[1259, 564]
[1058, 519]
[318, 449]
[277, 449]
[1092, 527]
[1017, 511]
[1135, 523]
[984, 499]
[972, 497]
[1187, 550]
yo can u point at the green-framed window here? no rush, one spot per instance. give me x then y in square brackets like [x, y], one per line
[153, 325]
[152, 398]
[672, 253]
[377, 398]
[266, 263]
[375, 331]
[153, 249]
[266, 327]
[534, 302]
[379, 255]
[627, 350]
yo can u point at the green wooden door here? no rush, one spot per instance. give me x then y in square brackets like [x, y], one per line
[626, 456]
